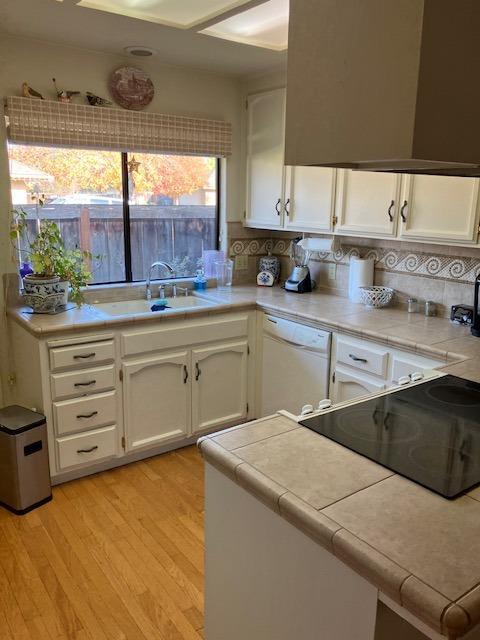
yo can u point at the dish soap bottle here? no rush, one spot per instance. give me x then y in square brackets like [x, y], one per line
[200, 281]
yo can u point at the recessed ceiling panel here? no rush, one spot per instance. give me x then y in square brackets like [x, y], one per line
[175, 13]
[262, 26]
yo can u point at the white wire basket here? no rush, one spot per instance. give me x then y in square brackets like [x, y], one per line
[376, 297]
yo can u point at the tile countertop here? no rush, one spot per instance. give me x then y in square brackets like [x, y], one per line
[432, 337]
[419, 549]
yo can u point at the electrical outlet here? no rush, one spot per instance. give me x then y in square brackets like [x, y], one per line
[241, 263]
[332, 271]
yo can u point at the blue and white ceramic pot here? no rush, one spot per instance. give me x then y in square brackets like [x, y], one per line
[44, 295]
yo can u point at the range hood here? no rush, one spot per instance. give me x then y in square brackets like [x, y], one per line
[384, 85]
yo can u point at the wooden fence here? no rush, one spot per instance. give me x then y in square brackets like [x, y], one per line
[176, 234]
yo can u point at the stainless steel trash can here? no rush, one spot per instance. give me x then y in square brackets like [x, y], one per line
[24, 470]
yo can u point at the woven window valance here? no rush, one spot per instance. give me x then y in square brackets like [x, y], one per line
[49, 123]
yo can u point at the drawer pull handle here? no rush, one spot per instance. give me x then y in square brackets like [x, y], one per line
[402, 211]
[88, 415]
[94, 448]
[198, 371]
[83, 356]
[272, 320]
[185, 374]
[356, 358]
[85, 384]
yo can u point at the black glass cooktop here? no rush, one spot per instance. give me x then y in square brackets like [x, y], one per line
[429, 433]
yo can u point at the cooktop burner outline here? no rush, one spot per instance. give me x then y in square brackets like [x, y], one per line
[438, 425]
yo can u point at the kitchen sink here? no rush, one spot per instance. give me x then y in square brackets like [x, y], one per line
[133, 307]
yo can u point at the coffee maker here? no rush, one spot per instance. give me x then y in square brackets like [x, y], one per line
[476, 311]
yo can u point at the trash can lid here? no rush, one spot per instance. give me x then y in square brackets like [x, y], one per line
[15, 419]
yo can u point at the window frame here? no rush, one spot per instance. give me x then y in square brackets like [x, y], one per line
[127, 240]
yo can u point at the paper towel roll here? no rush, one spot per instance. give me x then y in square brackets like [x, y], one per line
[319, 245]
[360, 275]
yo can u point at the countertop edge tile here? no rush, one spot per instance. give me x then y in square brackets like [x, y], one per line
[303, 516]
[370, 563]
[220, 458]
[424, 602]
[456, 621]
[259, 485]
[470, 602]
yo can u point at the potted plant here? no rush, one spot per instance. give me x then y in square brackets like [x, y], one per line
[55, 268]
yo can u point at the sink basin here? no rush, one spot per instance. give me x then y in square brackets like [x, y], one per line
[132, 307]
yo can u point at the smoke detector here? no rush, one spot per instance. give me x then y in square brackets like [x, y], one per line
[140, 51]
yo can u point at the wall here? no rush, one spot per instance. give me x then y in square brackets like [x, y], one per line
[178, 90]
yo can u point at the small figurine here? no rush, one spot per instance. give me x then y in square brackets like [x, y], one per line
[96, 101]
[64, 96]
[28, 92]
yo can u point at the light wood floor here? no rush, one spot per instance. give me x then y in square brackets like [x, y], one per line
[118, 555]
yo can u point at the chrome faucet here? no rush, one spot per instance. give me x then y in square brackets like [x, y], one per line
[165, 265]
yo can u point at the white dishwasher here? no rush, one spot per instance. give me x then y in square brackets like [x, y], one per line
[295, 365]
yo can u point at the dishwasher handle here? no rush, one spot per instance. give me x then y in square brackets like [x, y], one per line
[303, 347]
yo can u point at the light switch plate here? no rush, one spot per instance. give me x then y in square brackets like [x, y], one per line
[332, 271]
[241, 263]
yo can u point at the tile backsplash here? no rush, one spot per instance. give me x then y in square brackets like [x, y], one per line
[443, 274]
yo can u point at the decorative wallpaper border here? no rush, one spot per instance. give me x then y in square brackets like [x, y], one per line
[454, 268]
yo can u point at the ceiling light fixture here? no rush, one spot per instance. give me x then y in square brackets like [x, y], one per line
[140, 51]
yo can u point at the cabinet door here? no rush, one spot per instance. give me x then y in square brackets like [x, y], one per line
[367, 202]
[219, 385]
[309, 198]
[156, 397]
[265, 170]
[439, 208]
[347, 385]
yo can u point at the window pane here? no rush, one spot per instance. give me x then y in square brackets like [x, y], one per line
[83, 195]
[173, 211]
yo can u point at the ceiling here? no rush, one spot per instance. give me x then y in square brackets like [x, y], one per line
[106, 29]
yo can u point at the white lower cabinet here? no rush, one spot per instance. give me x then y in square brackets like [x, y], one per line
[174, 395]
[156, 399]
[348, 385]
[219, 385]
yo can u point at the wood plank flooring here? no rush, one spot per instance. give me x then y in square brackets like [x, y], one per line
[115, 556]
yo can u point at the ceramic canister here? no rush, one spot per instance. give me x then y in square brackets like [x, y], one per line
[270, 263]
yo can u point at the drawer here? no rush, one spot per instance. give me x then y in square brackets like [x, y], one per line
[81, 354]
[181, 334]
[406, 365]
[74, 383]
[85, 413]
[369, 359]
[87, 448]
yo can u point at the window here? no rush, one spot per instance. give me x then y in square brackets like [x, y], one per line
[130, 209]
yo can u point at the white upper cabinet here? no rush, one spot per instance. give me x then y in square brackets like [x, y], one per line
[279, 197]
[265, 148]
[367, 203]
[309, 198]
[439, 208]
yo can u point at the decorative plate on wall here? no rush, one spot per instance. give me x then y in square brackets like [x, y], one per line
[131, 88]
